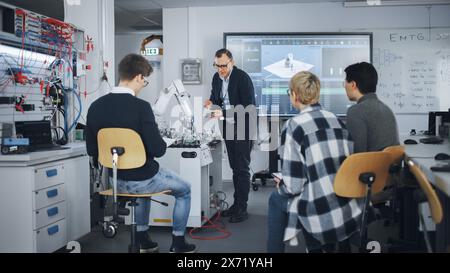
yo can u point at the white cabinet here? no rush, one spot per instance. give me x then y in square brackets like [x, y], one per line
[201, 167]
[43, 204]
[51, 237]
[77, 196]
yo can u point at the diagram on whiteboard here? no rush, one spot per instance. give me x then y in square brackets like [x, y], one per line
[288, 67]
[413, 73]
[385, 57]
[444, 65]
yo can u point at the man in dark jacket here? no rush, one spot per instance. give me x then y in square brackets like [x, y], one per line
[232, 91]
[122, 109]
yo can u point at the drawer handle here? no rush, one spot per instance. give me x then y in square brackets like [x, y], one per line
[52, 212]
[52, 193]
[53, 230]
[51, 172]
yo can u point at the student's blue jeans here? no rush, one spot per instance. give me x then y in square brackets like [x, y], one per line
[277, 218]
[163, 180]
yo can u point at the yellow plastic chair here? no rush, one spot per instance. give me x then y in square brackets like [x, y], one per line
[360, 176]
[122, 149]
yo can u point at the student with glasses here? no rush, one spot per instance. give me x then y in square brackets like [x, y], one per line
[231, 87]
[121, 108]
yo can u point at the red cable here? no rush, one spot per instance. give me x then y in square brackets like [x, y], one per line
[213, 226]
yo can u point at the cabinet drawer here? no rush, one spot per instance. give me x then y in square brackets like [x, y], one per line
[52, 237]
[48, 176]
[48, 215]
[48, 196]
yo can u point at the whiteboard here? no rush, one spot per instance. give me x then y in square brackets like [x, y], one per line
[413, 68]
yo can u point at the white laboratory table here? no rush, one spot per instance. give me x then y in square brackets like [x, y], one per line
[44, 199]
[28, 159]
[423, 156]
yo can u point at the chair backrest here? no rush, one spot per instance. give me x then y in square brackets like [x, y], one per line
[397, 153]
[433, 200]
[347, 183]
[134, 156]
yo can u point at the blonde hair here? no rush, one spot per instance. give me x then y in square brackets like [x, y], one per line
[306, 86]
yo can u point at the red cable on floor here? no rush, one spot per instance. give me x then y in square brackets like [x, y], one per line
[212, 225]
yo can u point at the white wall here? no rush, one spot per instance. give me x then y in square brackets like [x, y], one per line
[206, 25]
[131, 43]
[198, 32]
[89, 17]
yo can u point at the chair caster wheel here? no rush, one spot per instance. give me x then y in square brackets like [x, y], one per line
[109, 230]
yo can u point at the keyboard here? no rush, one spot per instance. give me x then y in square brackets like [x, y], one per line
[441, 168]
[431, 140]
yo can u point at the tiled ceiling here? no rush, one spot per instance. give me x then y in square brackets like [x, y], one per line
[146, 15]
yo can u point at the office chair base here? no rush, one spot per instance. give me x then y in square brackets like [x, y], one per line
[263, 176]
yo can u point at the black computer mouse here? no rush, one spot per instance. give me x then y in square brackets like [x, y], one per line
[409, 141]
[442, 156]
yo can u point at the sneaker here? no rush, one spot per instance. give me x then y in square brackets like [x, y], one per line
[239, 215]
[146, 245]
[179, 245]
[228, 212]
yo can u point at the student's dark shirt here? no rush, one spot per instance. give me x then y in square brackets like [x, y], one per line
[372, 125]
[126, 111]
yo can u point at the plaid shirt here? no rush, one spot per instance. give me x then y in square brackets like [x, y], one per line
[313, 146]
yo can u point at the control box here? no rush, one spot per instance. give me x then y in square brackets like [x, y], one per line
[15, 145]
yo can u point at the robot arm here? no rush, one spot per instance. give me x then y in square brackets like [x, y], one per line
[176, 89]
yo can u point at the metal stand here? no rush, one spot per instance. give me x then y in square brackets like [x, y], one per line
[134, 245]
[273, 165]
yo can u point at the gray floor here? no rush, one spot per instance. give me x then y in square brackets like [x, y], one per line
[246, 237]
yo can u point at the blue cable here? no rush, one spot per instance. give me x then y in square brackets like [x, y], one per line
[78, 116]
[79, 113]
[65, 111]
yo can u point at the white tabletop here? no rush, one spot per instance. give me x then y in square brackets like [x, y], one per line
[423, 156]
[424, 150]
[33, 158]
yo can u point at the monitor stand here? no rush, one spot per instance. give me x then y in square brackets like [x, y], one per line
[266, 174]
[273, 167]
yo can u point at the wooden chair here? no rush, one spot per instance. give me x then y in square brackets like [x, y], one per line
[431, 197]
[389, 193]
[397, 153]
[360, 176]
[121, 148]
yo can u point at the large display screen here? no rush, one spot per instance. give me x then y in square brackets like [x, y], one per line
[271, 59]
